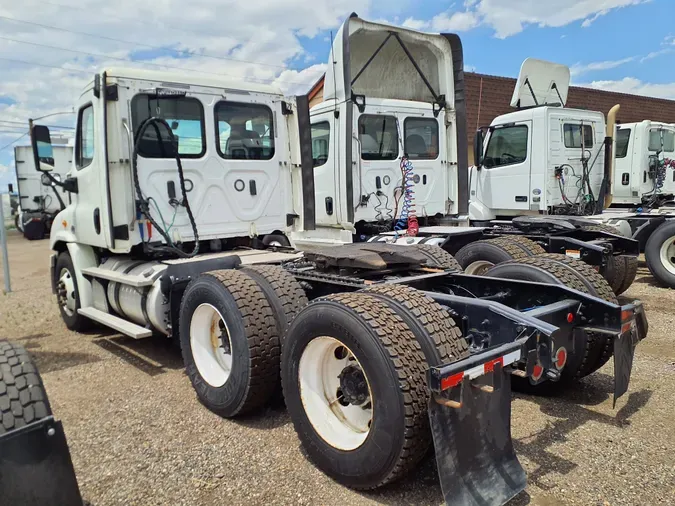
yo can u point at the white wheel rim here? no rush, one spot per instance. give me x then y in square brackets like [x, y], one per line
[66, 292]
[478, 268]
[667, 254]
[342, 427]
[208, 337]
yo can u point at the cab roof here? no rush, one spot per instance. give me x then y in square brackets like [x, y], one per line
[191, 78]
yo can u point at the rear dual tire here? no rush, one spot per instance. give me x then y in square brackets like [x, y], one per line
[591, 351]
[620, 270]
[477, 257]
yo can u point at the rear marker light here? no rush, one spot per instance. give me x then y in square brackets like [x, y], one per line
[537, 372]
[560, 358]
[570, 317]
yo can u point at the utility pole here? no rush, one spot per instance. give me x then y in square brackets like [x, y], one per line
[3, 245]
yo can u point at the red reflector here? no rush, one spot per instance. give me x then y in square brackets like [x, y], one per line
[570, 317]
[561, 358]
[537, 372]
[626, 316]
[452, 381]
[626, 327]
[490, 366]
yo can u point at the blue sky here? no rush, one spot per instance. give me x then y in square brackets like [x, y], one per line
[620, 45]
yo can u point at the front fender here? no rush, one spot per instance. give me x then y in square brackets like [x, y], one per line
[62, 229]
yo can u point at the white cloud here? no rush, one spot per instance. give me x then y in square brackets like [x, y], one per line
[457, 22]
[635, 86]
[3, 168]
[509, 17]
[445, 22]
[415, 24]
[579, 68]
[225, 37]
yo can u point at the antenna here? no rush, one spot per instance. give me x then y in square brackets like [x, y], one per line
[332, 59]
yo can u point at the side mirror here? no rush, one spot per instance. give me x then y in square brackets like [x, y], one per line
[41, 143]
[478, 149]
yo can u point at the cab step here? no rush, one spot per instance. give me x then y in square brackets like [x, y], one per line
[114, 322]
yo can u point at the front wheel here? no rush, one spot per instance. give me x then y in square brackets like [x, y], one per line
[68, 295]
[660, 254]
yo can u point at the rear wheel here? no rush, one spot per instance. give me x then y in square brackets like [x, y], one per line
[477, 257]
[591, 350]
[438, 257]
[438, 335]
[354, 384]
[229, 342]
[660, 254]
[23, 399]
[620, 270]
[284, 294]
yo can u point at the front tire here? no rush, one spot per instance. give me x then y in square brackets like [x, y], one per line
[229, 342]
[344, 355]
[68, 294]
[660, 254]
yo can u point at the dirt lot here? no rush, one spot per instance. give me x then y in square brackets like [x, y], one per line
[139, 436]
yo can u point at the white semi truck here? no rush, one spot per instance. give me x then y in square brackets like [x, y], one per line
[39, 199]
[184, 192]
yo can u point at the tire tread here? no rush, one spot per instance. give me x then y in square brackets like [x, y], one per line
[23, 398]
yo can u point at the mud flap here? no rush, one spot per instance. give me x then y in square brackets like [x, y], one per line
[35, 466]
[477, 464]
[624, 351]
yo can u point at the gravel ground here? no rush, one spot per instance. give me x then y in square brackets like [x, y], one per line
[138, 435]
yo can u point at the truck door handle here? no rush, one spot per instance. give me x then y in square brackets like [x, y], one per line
[329, 206]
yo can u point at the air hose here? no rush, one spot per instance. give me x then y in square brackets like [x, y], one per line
[144, 203]
[408, 217]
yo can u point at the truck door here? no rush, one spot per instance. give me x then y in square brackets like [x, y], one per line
[503, 181]
[91, 210]
[326, 169]
[624, 180]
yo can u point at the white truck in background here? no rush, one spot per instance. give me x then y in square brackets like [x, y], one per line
[39, 198]
[644, 165]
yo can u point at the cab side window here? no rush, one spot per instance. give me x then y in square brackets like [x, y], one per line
[84, 153]
[661, 140]
[421, 138]
[320, 143]
[573, 135]
[185, 117]
[507, 146]
[245, 131]
[622, 139]
[378, 136]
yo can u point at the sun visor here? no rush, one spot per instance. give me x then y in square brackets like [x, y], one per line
[540, 83]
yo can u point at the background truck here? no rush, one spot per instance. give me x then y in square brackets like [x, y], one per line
[39, 198]
[397, 346]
